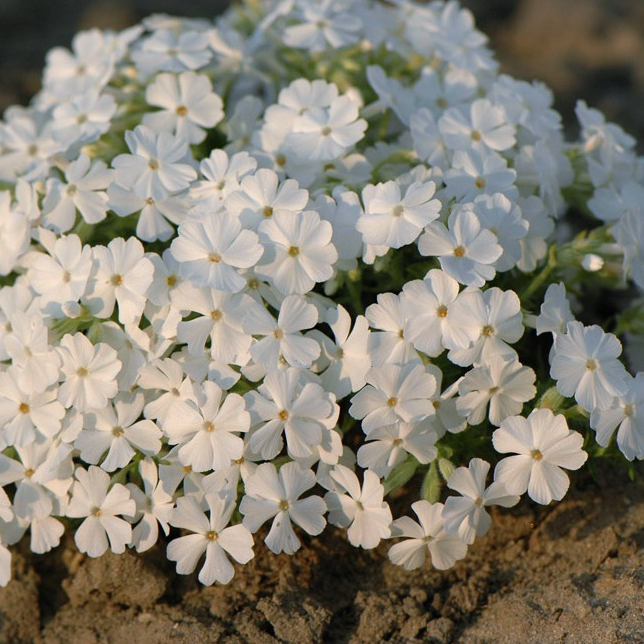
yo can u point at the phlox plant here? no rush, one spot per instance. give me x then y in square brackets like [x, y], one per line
[264, 271]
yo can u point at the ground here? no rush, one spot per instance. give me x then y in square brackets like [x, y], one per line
[571, 572]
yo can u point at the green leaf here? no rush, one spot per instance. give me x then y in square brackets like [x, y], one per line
[432, 484]
[401, 474]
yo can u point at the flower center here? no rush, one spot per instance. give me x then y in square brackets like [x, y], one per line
[117, 431]
[182, 110]
[97, 512]
[153, 164]
[171, 280]
[187, 469]
[284, 505]
[293, 251]
[398, 210]
[278, 334]
[441, 311]
[268, 211]
[487, 331]
[629, 410]
[392, 402]
[67, 278]
[116, 280]
[209, 426]
[24, 408]
[283, 415]
[81, 372]
[536, 454]
[211, 535]
[81, 118]
[215, 258]
[459, 251]
[479, 182]
[29, 472]
[591, 364]
[215, 315]
[326, 130]
[476, 135]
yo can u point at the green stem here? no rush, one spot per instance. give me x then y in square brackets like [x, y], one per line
[539, 279]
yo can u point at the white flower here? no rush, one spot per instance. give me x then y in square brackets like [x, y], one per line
[91, 499]
[361, 509]
[322, 25]
[269, 494]
[554, 313]
[466, 250]
[486, 126]
[504, 384]
[299, 252]
[324, 134]
[188, 105]
[466, 515]
[544, 445]
[394, 393]
[42, 473]
[626, 414]
[629, 232]
[212, 536]
[27, 416]
[207, 431]
[474, 173]
[89, 373]
[117, 430]
[388, 446]
[483, 324]
[122, 275]
[261, 195]
[585, 364]
[347, 358]
[14, 234]
[212, 248]
[389, 345]
[395, 220]
[285, 403]
[428, 535]
[61, 276]
[36, 362]
[425, 304]
[153, 507]
[166, 376]
[282, 338]
[83, 190]
[502, 217]
[153, 218]
[219, 317]
[172, 50]
[156, 168]
[222, 176]
[84, 118]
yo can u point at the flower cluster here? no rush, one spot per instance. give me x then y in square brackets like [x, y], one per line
[264, 271]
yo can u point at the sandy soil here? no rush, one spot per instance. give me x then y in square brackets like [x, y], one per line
[572, 572]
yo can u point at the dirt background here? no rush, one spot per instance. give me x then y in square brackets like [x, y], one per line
[572, 572]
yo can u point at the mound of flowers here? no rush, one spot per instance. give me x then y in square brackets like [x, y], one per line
[269, 269]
